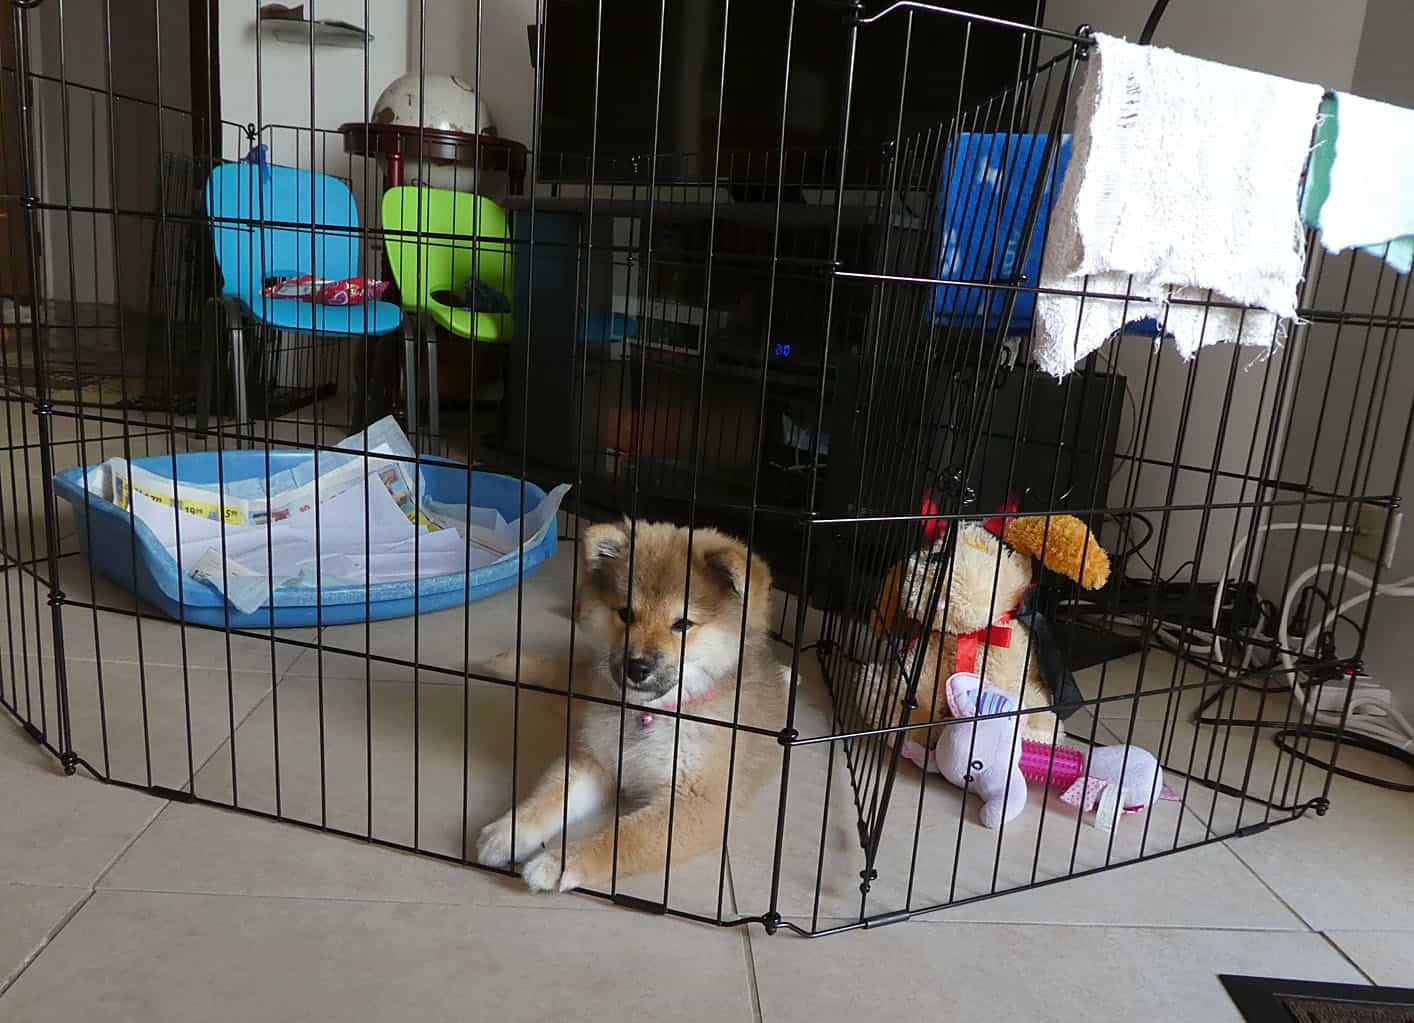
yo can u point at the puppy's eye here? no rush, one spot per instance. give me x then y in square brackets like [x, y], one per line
[683, 624]
[626, 615]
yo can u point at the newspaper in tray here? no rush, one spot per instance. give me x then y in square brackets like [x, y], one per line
[227, 506]
[487, 530]
[395, 482]
[290, 491]
[198, 501]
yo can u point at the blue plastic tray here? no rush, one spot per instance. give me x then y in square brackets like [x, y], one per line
[155, 578]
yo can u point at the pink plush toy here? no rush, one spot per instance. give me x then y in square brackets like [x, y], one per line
[990, 759]
[1114, 781]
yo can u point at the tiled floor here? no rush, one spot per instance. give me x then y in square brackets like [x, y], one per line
[117, 905]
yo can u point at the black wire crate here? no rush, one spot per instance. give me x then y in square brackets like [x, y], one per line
[764, 297]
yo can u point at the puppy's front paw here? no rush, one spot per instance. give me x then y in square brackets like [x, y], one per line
[503, 665]
[543, 873]
[493, 844]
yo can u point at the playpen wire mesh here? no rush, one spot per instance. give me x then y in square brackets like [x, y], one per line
[745, 340]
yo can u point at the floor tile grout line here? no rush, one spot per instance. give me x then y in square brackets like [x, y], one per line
[49, 939]
[753, 987]
[753, 984]
[1347, 957]
[1232, 847]
[88, 896]
[231, 735]
[1230, 844]
[127, 846]
[588, 905]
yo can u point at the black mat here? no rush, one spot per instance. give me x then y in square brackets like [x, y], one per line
[1269, 1000]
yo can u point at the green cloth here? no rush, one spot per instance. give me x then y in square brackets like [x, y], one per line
[1398, 252]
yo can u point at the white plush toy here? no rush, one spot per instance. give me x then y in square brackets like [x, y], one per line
[983, 756]
[990, 758]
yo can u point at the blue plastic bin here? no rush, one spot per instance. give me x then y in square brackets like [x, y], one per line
[991, 181]
[106, 535]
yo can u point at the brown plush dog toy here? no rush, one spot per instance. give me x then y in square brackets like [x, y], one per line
[978, 625]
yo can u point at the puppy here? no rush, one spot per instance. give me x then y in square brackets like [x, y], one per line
[661, 635]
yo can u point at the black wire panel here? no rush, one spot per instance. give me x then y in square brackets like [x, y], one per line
[785, 379]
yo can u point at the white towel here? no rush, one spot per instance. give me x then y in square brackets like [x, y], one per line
[1371, 174]
[1184, 175]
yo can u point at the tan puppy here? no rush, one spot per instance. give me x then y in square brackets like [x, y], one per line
[659, 640]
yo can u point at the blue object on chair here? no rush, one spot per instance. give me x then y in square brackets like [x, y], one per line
[982, 216]
[270, 222]
[111, 536]
[991, 178]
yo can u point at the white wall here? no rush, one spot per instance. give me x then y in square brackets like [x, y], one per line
[267, 82]
[1382, 72]
[504, 78]
[1315, 40]
[1361, 45]
[1307, 39]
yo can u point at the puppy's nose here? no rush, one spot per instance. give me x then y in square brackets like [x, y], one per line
[638, 668]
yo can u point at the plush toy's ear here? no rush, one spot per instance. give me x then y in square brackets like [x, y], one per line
[1063, 544]
[962, 690]
[885, 617]
[994, 701]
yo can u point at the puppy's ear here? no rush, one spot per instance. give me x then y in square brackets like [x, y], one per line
[599, 545]
[729, 563]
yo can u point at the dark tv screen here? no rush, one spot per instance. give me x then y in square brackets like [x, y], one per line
[661, 69]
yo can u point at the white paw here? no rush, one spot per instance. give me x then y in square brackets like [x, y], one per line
[543, 873]
[493, 844]
[503, 665]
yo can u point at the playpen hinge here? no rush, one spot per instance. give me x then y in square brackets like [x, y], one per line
[1252, 829]
[771, 921]
[786, 736]
[56, 598]
[69, 762]
[176, 795]
[43, 407]
[1320, 804]
[642, 905]
[1083, 52]
[885, 919]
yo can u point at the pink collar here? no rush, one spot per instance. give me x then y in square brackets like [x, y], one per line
[647, 717]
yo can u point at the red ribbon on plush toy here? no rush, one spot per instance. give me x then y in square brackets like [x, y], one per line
[997, 634]
[996, 525]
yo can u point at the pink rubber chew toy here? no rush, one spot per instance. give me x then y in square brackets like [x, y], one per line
[1061, 764]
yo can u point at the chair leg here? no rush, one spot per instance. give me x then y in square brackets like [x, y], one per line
[211, 325]
[434, 416]
[410, 378]
[238, 377]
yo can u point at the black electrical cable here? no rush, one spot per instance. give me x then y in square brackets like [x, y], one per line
[1286, 741]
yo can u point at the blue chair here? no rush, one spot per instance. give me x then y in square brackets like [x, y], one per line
[269, 222]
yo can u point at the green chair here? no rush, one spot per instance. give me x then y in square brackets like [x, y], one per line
[435, 240]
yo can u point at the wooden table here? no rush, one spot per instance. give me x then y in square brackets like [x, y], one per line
[397, 142]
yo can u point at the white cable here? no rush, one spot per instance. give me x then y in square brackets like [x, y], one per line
[1280, 527]
[1393, 728]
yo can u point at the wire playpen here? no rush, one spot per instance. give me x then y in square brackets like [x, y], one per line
[818, 348]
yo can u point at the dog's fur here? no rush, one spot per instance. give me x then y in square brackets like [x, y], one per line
[722, 600]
